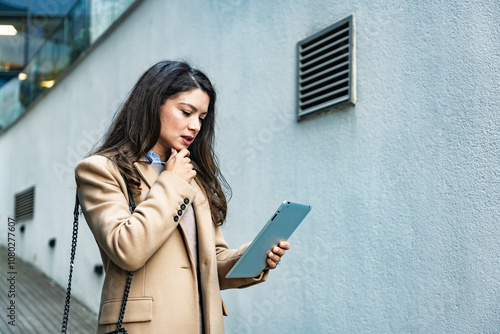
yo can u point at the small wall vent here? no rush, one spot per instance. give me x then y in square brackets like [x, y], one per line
[326, 68]
[24, 204]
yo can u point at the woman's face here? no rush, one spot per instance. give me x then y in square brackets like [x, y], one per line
[181, 119]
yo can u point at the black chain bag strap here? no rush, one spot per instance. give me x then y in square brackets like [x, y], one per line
[64, 325]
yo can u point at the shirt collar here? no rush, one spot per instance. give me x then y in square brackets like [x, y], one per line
[155, 158]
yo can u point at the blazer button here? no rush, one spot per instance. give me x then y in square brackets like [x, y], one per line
[176, 219]
[186, 200]
[179, 212]
[183, 207]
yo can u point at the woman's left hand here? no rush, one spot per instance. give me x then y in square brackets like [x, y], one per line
[275, 255]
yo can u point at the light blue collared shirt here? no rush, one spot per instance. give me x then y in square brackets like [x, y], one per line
[155, 158]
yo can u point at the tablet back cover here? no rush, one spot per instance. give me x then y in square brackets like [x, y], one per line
[280, 227]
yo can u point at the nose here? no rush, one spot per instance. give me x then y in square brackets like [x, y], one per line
[194, 124]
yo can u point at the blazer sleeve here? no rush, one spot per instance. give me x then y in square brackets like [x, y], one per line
[129, 240]
[226, 258]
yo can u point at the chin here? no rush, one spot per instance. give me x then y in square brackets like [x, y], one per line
[181, 147]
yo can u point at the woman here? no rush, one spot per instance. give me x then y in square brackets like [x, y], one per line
[160, 150]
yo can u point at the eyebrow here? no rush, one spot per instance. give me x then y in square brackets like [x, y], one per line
[192, 107]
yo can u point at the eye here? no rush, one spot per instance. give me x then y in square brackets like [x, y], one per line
[202, 119]
[187, 114]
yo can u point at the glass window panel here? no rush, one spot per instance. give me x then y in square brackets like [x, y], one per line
[12, 48]
[56, 40]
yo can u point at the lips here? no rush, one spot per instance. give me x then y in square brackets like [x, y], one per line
[187, 139]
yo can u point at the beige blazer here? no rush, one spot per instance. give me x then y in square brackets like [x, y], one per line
[152, 242]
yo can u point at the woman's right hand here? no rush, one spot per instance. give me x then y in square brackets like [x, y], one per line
[180, 164]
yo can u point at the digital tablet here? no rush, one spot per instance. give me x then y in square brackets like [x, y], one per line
[279, 227]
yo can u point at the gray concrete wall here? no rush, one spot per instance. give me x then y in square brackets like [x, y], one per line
[403, 235]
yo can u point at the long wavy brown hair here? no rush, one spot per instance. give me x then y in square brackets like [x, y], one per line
[136, 128]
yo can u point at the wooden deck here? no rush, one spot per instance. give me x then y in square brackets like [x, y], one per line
[39, 302]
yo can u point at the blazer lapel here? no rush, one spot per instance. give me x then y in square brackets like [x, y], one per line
[206, 250]
[147, 172]
[149, 175]
[203, 220]
[204, 233]
[204, 227]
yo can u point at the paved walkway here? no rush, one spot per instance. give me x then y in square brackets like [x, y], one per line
[39, 302]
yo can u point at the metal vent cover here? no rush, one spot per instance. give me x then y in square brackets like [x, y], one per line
[326, 68]
[24, 204]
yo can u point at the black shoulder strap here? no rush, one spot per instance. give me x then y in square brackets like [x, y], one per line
[131, 202]
[64, 325]
[119, 328]
[76, 213]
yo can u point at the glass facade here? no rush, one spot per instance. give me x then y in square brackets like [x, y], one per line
[24, 27]
[103, 14]
[12, 44]
[52, 52]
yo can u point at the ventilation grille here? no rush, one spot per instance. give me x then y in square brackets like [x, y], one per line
[326, 68]
[25, 204]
